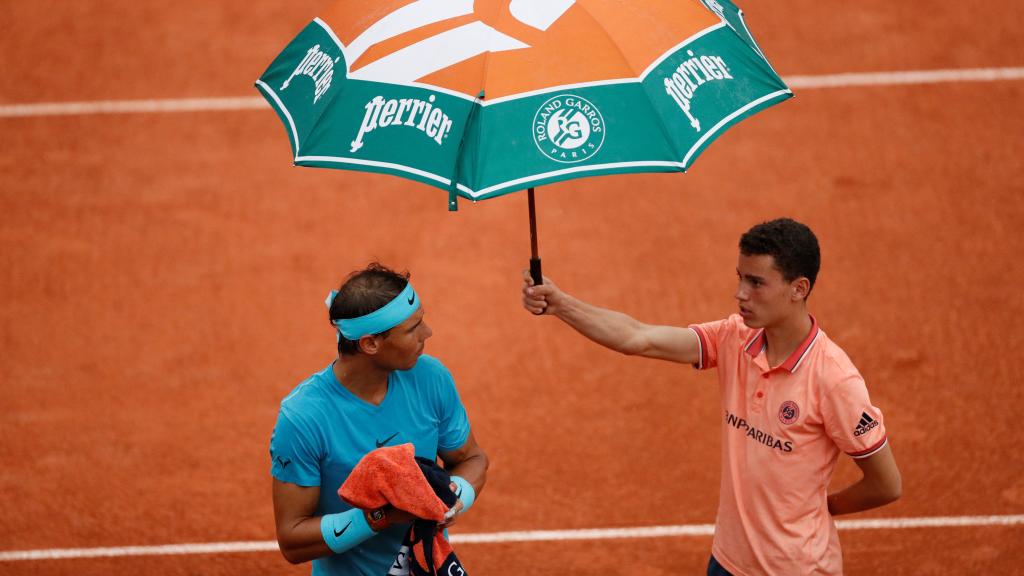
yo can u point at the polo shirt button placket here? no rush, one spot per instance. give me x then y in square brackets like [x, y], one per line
[759, 393]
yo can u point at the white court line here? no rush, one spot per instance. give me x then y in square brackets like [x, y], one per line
[133, 106]
[908, 77]
[257, 102]
[505, 537]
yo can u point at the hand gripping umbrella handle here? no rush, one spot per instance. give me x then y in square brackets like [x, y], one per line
[535, 273]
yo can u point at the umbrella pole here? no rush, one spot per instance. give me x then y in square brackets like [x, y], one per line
[535, 273]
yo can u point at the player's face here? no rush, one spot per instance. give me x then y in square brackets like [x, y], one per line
[405, 342]
[763, 295]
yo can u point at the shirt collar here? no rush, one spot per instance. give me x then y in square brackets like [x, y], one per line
[758, 342]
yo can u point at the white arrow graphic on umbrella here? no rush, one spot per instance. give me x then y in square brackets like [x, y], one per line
[447, 48]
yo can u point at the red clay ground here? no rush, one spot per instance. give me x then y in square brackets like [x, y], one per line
[163, 278]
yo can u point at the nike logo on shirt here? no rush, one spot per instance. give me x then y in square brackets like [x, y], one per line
[381, 443]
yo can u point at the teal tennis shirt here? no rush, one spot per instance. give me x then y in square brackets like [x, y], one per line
[323, 430]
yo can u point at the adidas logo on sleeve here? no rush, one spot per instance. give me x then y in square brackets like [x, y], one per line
[866, 423]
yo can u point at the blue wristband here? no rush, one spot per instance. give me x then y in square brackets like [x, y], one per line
[345, 530]
[464, 490]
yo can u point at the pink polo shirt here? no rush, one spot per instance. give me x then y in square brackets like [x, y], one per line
[782, 431]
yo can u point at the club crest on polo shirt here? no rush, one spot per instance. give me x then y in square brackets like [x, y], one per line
[789, 412]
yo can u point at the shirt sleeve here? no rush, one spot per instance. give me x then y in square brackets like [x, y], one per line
[294, 452]
[853, 423]
[709, 334]
[453, 425]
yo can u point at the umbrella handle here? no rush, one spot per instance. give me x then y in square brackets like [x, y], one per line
[538, 278]
[535, 273]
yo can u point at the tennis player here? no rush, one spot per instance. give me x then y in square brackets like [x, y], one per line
[380, 391]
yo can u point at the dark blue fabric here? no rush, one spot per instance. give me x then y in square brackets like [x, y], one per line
[715, 569]
[424, 531]
[438, 479]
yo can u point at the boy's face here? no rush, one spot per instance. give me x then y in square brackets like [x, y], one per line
[763, 295]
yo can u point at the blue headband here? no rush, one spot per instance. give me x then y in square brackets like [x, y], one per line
[380, 320]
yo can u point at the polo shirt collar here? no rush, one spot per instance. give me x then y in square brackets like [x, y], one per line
[758, 342]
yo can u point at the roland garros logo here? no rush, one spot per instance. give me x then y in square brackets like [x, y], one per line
[789, 412]
[568, 129]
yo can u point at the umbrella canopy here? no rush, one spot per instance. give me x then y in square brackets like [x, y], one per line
[482, 98]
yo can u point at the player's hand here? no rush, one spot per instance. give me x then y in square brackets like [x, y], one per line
[387, 516]
[397, 516]
[453, 514]
[543, 299]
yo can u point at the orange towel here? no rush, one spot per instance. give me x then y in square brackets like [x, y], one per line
[393, 475]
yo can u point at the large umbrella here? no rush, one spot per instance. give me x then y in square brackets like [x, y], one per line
[482, 98]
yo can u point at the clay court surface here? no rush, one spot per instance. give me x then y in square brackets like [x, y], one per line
[163, 277]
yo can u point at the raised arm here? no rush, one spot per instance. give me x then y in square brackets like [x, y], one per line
[609, 328]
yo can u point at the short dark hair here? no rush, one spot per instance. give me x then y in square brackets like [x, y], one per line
[362, 292]
[792, 244]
